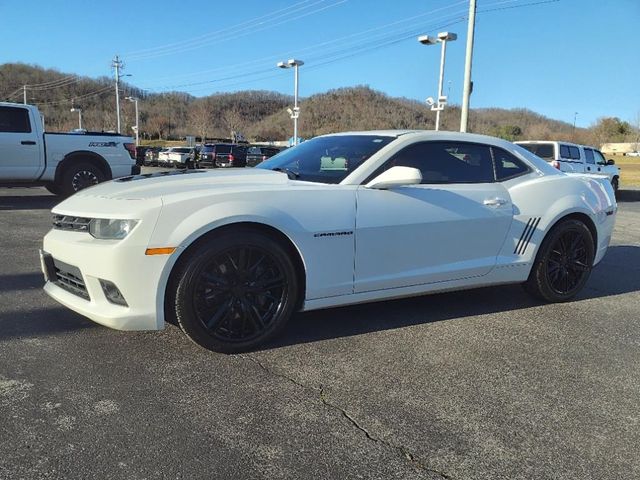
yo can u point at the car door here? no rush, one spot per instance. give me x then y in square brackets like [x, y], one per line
[20, 146]
[450, 227]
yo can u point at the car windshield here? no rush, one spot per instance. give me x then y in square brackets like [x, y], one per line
[326, 159]
[182, 150]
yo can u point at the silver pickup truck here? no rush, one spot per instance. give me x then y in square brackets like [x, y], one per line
[62, 162]
[573, 158]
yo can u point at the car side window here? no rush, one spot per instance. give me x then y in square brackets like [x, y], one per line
[564, 151]
[446, 162]
[14, 120]
[588, 153]
[507, 166]
[599, 157]
[575, 153]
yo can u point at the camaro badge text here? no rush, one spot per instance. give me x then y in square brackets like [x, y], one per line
[332, 234]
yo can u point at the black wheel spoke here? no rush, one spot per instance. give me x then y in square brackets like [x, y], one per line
[221, 314]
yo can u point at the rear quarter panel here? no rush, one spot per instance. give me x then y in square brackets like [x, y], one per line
[540, 203]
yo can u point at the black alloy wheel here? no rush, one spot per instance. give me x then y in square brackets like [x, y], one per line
[563, 263]
[567, 264]
[236, 292]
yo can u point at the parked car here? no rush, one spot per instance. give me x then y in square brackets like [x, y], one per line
[337, 220]
[259, 153]
[61, 162]
[181, 157]
[151, 156]
[574, 158]
[222, 155]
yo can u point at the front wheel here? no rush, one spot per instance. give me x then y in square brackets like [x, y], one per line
[615, 183]
[563, 263]
[79, 176]
[236, 291]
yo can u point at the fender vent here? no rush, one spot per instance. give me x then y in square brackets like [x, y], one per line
[527, 233]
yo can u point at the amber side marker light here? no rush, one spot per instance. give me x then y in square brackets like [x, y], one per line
[160, 251]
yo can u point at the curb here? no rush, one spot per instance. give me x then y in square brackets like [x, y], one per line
[628, 195]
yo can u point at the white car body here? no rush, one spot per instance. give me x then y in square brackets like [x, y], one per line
[177, 155]
[357, 243]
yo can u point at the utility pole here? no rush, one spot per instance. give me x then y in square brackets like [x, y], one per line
[24, 93]
[573, 133]
[464, 117]
[137, 127]
[117, 65]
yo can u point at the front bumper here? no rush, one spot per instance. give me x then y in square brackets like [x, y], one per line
[123, 263]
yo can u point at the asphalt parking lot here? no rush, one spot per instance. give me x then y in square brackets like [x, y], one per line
[470, 385]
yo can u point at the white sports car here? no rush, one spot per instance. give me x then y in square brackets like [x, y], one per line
[337, 220]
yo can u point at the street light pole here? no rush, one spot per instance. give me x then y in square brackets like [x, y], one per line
[464, 116]
[295, 113]
[79, 110]
[135, 101]
[573, 134]
[443, 38]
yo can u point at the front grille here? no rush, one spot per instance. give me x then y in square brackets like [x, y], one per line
[75, 224]
[70, 279]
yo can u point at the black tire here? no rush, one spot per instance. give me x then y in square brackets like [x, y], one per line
[80, 175]
[615, 183]
[235, 291]
[53, 188]
[563, 263]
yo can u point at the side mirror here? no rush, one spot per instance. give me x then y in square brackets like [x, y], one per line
[396, 177]
[611, 162]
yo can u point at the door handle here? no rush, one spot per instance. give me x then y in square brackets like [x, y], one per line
[28, 142]
[494, 202]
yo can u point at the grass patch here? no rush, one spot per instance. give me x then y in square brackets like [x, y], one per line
[629, 170]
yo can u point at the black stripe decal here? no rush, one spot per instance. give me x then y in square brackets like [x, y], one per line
[528, 238]
[524, 232]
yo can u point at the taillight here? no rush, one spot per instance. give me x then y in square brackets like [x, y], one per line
[231, 158]
[556, 164]
[131, 148]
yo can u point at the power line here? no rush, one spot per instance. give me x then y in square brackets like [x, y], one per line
[145, 51]
[235, 35]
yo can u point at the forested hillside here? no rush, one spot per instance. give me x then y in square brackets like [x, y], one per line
[261, 115]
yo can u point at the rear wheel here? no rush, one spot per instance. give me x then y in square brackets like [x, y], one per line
[79, 176]
[563, 263]
[235, 291]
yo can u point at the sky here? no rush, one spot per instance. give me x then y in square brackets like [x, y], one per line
[553, 57]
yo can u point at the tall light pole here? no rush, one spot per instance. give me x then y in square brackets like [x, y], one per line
[137, 127]
[295, 113]
[79, 110]
[443, 38]
[464, 115]
[573, 134]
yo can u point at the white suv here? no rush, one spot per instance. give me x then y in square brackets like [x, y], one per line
[573, 158]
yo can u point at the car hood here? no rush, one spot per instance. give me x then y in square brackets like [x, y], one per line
[163, 184]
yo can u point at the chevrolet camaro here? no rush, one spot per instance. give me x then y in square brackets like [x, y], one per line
[232, 254]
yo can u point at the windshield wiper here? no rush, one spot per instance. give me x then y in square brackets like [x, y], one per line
[290, 173]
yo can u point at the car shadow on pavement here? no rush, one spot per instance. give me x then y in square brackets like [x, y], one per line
[41, 322]
[628, 195]
[617, 274]
[28, 202]
[20, 281]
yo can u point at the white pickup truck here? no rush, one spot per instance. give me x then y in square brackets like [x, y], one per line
[62, 162]
[573, 158]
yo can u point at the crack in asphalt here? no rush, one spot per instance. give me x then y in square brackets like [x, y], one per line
[402, 450]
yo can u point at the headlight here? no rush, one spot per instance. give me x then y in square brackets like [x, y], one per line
[111, 229]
